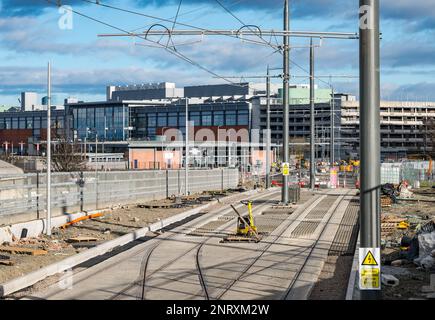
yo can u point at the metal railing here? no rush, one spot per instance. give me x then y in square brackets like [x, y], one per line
[27, 193]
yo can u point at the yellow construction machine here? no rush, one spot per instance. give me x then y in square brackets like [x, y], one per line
[246, 228]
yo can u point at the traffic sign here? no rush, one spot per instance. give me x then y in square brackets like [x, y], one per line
[369, 269]
[286, 169]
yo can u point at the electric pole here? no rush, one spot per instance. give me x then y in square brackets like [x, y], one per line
[186, 172]
[312, 121]
[48, 226]
[370, 135]
[285, 100]
[268, 132]
[332, 144]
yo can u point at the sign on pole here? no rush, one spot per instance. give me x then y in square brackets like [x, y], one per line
[286, 169]
[370, 269]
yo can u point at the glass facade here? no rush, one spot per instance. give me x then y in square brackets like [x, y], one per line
[147, 120]
[120, 122]
[108, 122]
[33, 120]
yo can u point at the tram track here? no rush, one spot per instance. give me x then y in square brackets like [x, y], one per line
[261, 251]
[145, 274]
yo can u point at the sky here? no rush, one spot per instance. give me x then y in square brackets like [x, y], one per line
[33, 32]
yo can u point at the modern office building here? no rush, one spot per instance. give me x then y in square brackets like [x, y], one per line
[119, 122]
[405, 128]
[23, 132]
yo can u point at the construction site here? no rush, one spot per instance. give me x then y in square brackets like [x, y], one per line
[234, 192]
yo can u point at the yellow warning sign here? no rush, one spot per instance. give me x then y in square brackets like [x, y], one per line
[286, 169]
[370, 278]
[369, 260]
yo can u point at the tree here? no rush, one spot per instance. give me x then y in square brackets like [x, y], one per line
[66, 155]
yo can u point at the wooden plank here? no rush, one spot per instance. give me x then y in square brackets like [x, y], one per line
[82, 239]
[19, 250]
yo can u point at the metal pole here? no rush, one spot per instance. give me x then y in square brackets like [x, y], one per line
[286, 89]
[332, 138]
[312, 121]
[96, 170]
[186, 174]
[48, 229]
[370, 130]
[268, 133]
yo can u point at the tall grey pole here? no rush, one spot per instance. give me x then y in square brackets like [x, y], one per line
[332, 138]
[186, 173]
[48, 230]
[268, 133]
[96, 169]
[370, 130]
[312, 121]
[286, 89]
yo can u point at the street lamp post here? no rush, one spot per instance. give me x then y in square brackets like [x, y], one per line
[48, 226]
[370, 135]
[268, 133]
[286, 89]
[96, 169]
[186, 165]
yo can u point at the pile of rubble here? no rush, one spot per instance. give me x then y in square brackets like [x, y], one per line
[391, 194]
[408, 238]
[31, 247]
[408, 246]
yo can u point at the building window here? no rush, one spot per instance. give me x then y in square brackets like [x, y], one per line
[22, 123]
[7, 123]
[206, 118]
[14, 123]
[182, 121]
[29, 123]
[243, 119]
[172, 119]
[90, 118]
[231, 118]
[195, 117]
[162, 119]
[152, 122]
[219, 119]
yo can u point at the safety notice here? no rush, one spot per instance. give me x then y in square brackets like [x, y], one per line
[286, 169]
[369, 269]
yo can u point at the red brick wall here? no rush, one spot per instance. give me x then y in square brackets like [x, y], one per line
[15, 136]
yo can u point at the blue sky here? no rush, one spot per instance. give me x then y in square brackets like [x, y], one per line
[84, 64]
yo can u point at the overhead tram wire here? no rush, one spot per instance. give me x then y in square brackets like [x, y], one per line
[175, 53]
[244, 24]
[187, 13]
[173, 25]
[98, 3]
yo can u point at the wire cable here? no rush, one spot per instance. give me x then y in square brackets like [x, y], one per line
[173, 52]
[98, 3]
[244, 24]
